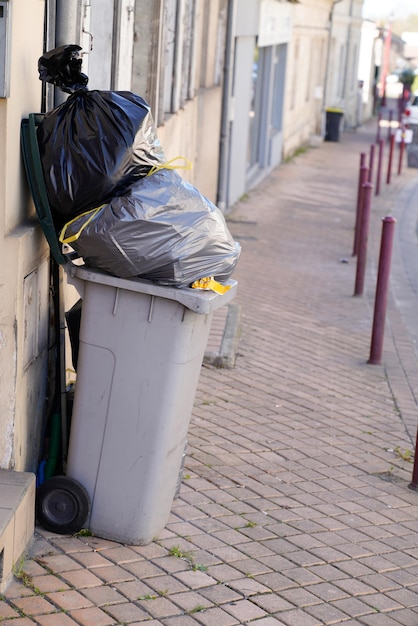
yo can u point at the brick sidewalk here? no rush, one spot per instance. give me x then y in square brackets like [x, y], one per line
[294, 508]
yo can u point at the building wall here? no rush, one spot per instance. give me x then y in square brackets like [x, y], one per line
[181, 76]
[367, 66]
[322, 69]
[305, 74]
[261, 32]
[23, 258]
[344, 62]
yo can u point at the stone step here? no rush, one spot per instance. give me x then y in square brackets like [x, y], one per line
[17, 519]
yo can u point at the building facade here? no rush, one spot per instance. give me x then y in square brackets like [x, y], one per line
[235, 86]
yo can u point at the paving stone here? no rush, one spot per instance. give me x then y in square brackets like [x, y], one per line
[6, 611]
[91, 559]
[134, 590]
[55, 619]
[80, 579]
[69, 600]
[272, 602]
[248, 586]
[381, 602]
[183, 620]
[189, 600]
[59, 563]
[92, 617]
[194, 579]
[327, 613]
[47, 583]
[297, 617]
[68, 545]
[354, 607]
[24, 621]
[104, 595]
[405, 597]
[379, 619]
[405, 617]
[216, 617]
[166, 584]
[244, 610]
[33, 605]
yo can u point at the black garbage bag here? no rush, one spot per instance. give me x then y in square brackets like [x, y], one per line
[62, 67]
[163, 230]
[94, 145]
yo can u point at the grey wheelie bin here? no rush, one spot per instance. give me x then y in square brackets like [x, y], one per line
[140, 353]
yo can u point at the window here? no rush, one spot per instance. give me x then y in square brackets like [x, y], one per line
[178, 36]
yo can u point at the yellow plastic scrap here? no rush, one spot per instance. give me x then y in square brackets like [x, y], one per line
[209, 283]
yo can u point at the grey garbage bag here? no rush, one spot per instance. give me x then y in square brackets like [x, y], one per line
[163, 230]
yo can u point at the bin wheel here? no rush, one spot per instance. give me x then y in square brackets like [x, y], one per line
[62, 505]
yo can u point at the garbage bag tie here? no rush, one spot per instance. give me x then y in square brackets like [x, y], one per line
[209, 283]
[71, 238]
[168, 165]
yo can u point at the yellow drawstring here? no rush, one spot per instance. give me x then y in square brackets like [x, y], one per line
[72, 238]
[168, 165]
[209, 283]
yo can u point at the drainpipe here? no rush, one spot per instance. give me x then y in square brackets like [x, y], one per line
[325, 99]
[67, 31]
[227, 103]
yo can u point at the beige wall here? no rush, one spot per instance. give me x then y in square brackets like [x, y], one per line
[322, 69]
[193, 132]
[23, 265]
[305, 74]
[343, 67]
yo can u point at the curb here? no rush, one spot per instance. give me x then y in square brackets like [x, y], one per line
[226, 356]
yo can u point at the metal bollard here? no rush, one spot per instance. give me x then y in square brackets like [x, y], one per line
[390, 124]
[371, 162]
[379, 119]
[414, 482]
[391, 147]
[363, 176]
[363, 237]
[382, 285]
[379, 165]
[401, 151]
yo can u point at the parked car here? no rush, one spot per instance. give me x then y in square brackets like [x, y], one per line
[411, 110]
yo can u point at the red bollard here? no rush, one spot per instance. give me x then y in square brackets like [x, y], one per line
[401, 151]
[391, 146]
[371, 163]
[381, 297]
[414, 483]
[379, 119]
[363, 177]
[363, 237]
[390, 124]
[379, 165]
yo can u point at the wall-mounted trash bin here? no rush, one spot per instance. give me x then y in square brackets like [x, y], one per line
[333, 124]
[140, 354]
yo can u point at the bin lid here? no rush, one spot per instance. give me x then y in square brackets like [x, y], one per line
[197, 300]
[334, 110]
